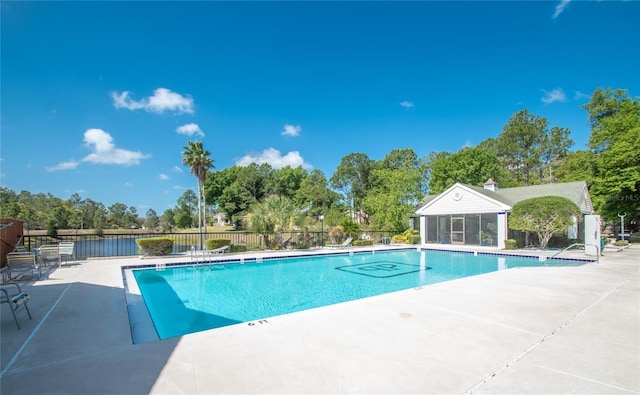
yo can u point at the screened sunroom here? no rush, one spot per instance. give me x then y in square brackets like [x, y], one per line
[471, 229]
[469, 215]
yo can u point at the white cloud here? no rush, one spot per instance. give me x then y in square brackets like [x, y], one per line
[581, 96]
[105, 152]
[163, 99]
[190, 129]
[122, 100]
[291, 130]
[128, 184]
[407, 104]
[560, 8]
[273, 157]
[553, 95]
[177, 169]
[69, 165]
[163, 176]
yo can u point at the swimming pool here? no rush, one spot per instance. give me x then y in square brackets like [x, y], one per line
[191, 298]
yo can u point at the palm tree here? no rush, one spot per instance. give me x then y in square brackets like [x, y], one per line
[272, 216]
[199, 161]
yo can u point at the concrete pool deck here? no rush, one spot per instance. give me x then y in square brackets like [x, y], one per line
[569, 329]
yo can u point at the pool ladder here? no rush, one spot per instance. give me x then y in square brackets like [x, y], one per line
[579, 244]
[200, 256]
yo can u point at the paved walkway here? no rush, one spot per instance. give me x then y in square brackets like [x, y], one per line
[527, 330]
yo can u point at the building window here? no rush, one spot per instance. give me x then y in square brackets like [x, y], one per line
[488, 229]
[472, 229]
[432, 229]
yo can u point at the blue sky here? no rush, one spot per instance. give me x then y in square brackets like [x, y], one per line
[98, 98]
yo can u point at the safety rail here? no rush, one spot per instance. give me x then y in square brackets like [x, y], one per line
[579, 244]
[124, 244]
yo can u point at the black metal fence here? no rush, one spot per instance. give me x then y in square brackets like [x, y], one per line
[124, 244]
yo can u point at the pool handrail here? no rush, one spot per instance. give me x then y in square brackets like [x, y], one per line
[579, 244]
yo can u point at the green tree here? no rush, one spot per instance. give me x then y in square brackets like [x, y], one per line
[352, 178]
[520, 144]
[398, 184]
[93, 214]
[187, 208]
[182, 217]
[117, 213]
[545, 216]
[489, 145]
[576, 166]
[131, 219]
[77, 219]
[151, 220]
[615, 145]
[9, 206]
[272, 216]
[470, 165]
[100, 217]
[554, 149]
[243, 187]
[167, 221]
[58, 218]
[199, 161]
[285, 181]
[314, 193]
[351, 228]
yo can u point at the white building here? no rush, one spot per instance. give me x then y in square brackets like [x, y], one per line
[469, 215]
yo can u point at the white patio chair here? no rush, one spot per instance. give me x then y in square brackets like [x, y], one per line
[21, 263]
[11, 294]
[49, 253]
[67, 250]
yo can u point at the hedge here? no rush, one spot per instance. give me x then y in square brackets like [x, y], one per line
[238, 248]
[212, 244]
[155, 246]
[510, 244]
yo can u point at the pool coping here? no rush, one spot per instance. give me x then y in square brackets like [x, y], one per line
[538, 330]
[143, 329]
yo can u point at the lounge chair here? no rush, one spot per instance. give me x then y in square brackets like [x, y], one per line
[21, 263]
[49, 253]
[219, 250]
[67, 250]
[345, 243]
[20, 248]
[11, 294]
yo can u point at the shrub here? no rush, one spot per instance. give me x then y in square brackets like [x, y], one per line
[368, 242]
[510, 244]
[336, 235]
[399, 239]
[350, 228]
[212, 244]
[52, 230]
[155, 246]
[621, 243]
[407, 237]
[238, 248]
[546, 216]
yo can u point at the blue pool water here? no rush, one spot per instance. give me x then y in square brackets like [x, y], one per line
[187, 299]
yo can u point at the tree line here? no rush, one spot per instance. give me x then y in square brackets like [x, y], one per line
[384, 193]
